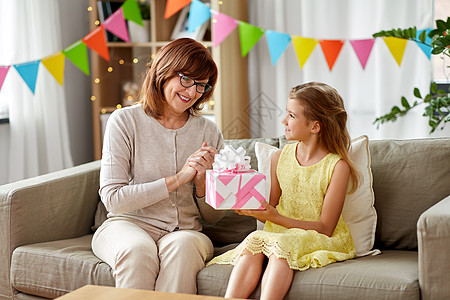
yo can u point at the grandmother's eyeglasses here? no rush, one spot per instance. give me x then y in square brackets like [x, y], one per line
[187, 82]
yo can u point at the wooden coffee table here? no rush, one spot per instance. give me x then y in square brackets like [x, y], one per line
[95, 292]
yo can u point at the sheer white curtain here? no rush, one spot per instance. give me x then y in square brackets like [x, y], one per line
[367, 93]
[37, 135]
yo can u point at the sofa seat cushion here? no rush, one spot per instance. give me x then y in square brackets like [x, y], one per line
[390, 275]
[53, 269]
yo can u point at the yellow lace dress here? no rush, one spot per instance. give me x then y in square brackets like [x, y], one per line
[303, 190]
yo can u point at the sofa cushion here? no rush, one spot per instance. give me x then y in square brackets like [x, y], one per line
[358, 212]
[52, 269]
[391, 275]
[410, 176]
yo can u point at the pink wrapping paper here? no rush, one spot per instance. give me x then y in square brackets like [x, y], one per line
[231, 189]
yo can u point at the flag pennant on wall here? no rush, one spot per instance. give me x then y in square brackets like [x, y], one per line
[277, 43]
[96, 40]
[396, 47]
[3, 73]
[199, 13]
[28, 71]
[222, 26]
[117, 25]
[249, 35]
[362, 49]
[55, 65]
[303, 48]
[131, 12]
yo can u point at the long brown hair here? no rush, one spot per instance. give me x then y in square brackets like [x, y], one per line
[324, 104]
[186, 56]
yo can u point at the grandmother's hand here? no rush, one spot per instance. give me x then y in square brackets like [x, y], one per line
[201, 161]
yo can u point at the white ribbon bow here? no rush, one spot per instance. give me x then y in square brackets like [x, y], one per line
[231, 159]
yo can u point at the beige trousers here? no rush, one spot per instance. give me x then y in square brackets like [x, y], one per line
[144, 258]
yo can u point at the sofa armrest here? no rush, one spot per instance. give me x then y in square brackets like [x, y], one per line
[433, 234]
[58, 205]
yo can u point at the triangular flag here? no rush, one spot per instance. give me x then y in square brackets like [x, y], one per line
[3, 72]
[172, 6]
[132, 12]
[277, 42]
[77, 54]
[96, 40]
[249, 35]
[116, 25]
[426, 48]
[331, 50]
[199, 13]
[28, 71]
[397, 47]
[362, 49]
[55, 65]
[303, 48]
[222, 26]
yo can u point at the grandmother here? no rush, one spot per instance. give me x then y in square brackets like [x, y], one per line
[152, 178]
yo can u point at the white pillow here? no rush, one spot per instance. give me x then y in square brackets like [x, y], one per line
[359, 211]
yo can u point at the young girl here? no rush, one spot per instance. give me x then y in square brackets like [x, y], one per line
[303, 223]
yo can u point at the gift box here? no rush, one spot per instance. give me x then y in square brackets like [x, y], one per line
[232, 184]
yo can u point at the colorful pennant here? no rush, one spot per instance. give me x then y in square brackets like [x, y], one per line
[222, 26]
[396, 47]
[55, 65]
[277, 43]
[303, 48]
[77, 54]
[28, 71]
[116, 25]
[173, 6]
[331, 50]
[199, 13]
[131, 12]
[3, 73]
[96, 40]
[249, 35]
[362, 49]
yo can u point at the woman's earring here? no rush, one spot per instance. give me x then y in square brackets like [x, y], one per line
[312, 134]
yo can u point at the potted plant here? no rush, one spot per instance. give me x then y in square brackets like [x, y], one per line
[437, 102]
[141, 34]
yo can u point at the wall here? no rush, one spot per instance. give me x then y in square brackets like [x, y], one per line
[74, 26]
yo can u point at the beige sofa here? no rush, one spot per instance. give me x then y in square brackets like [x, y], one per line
[46, 227]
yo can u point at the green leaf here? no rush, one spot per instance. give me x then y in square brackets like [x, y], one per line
[422, 36]
[395, 110]
[440, 24]
[433, 87]
[405, 103]
[417, 93]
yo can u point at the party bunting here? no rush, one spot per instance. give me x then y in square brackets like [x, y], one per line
[425, 48]
[396, 47]
[77, 54]
[3, 72]
[362, 48]
[55, 65]
[222, 26]
[116, 25]
[249, 35]
[28, 71]
[131, 12]
[303, 48]
[331, 50]
[96, 40]
[277, 43]
[172, 6]
[199, 13]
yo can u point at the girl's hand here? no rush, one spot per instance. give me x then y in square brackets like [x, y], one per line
[268, 214]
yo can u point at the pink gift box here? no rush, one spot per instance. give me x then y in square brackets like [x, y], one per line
[231, 189]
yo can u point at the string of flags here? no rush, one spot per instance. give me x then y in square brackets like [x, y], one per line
[222, 26]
